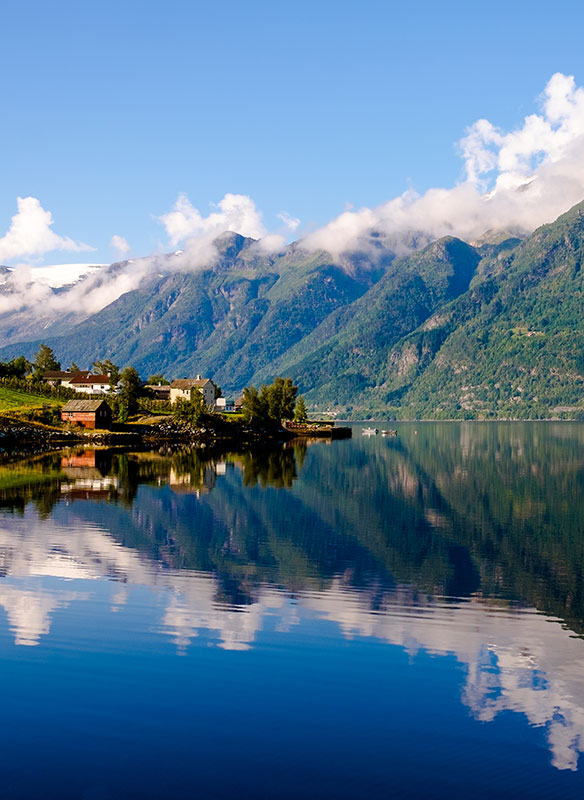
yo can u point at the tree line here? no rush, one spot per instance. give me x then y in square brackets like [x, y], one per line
[264, 407]
[273, 403]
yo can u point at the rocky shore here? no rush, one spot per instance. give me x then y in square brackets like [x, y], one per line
[22, 436]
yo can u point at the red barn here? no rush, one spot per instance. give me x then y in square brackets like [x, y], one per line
[87, 413]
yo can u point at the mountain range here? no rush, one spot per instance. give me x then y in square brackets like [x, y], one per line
[487, 329]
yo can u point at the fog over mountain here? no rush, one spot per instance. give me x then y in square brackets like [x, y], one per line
[515, 180]
[360, 312]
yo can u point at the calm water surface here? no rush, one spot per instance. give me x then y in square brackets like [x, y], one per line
[369, 618]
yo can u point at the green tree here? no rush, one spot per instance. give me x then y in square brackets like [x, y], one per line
[74, 367]
[189, 411]
[271, 404]
[44, 361]
[158, 378]
[129, 388]
[254, 408]
[281, 399]
[300, 414]
[17, 368]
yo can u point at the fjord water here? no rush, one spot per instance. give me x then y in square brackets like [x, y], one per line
[375, 617]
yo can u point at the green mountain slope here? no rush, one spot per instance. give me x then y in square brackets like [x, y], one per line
[454, 330]
[347, 353]
[512, 346]
[226, 321]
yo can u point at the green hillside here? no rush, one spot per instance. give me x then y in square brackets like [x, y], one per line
[453, 330]
[12, 400]
[227, 321]
[512, 346]
[345, 356]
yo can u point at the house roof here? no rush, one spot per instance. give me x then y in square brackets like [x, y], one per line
[84, 405]
[189, 383]
[87, 377]
[54, 374]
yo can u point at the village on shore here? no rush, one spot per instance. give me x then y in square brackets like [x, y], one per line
[107, 403]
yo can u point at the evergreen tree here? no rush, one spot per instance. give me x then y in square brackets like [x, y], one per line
[300, 414]
[44, 361]
[129, 388]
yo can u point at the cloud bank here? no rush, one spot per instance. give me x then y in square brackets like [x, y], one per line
[513, 180]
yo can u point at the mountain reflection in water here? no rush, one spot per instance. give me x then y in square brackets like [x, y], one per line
[459, 540]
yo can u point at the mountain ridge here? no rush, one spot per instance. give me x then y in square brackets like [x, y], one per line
[451, 330]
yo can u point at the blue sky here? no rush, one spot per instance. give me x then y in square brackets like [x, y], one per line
[113, 109]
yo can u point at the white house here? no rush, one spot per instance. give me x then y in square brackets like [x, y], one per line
[87, 383]
[60, 378]
[183, 388]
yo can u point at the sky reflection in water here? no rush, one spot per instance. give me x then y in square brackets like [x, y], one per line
[389, 592]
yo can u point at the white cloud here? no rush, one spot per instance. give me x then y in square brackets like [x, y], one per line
[120, 244]
[289, 221]
[30, 233]
[514, 180]
[235, 212]
[271, 243]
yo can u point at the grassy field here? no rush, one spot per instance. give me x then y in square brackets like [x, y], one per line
[11, 400]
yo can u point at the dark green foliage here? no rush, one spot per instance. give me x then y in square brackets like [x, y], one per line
[129, 384]
[39, 388]
[281, 399]
[189, 411]
[158, 379]
[17, 368]
[253, 409]
[271, 404]
[44, 361]
[300, 414]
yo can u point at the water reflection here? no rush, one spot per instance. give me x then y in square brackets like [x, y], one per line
[460, 540]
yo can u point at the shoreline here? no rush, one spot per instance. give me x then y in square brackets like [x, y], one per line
[27, 436]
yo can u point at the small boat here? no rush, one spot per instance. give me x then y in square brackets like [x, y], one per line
[369, 431]
[390, 432]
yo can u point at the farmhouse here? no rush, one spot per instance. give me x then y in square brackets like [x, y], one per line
[87, 383]
[87, 413]
[60, 378]
[184, 388]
